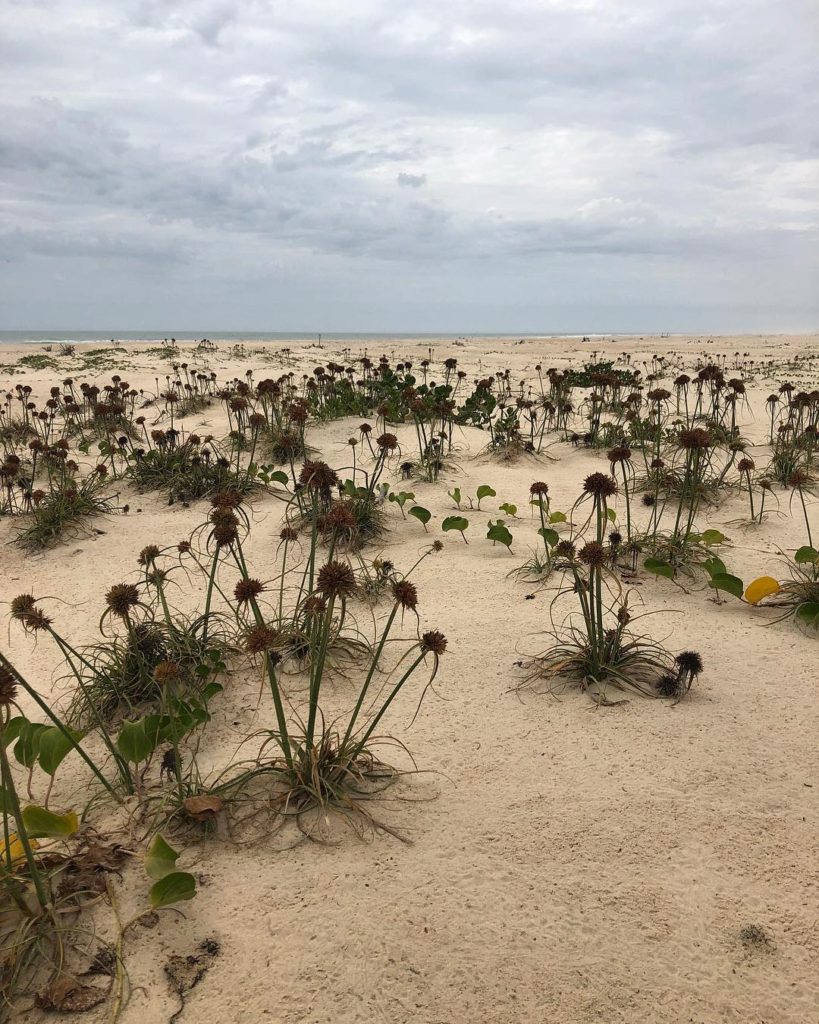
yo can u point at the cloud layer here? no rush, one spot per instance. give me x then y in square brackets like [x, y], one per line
[541, 165]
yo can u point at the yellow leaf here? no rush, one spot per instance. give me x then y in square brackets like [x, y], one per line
[15, 849]
[759, 588]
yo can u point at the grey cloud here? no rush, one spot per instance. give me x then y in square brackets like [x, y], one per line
[222, 138]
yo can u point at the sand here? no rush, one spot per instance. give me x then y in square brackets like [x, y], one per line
[568, 863]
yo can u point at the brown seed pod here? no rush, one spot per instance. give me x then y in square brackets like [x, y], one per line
[405, 594]
[8, 687]
[259, 639]
[246, 589]
[336, 579]
[593, 554]
[600, 485]
[433, 642]
[121, 598]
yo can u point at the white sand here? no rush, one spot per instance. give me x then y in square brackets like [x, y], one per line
[576, 865]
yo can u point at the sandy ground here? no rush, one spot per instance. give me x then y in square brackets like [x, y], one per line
[568, 864]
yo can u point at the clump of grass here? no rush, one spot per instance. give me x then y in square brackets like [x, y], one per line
[601, 650]
[67, 507]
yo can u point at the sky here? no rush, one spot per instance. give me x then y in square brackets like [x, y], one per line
[465, 166]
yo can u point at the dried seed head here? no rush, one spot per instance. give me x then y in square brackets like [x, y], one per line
[225, 535]
[246, 589]
[600, 485]
[689, 662]
[405, 594]
[314, 604]
[433, 642]
[148, 554]
[387, 442]
[619, 454]
[340, 517]
[538, 489]
[22, 605]
[289, 534]
[336, 579]
[745, 465]
[226, 499]
[695, 439]
[166, 672]
[318, 475]
[623, 615]
[183, 547]
[593, 554]
[121, 598]
[615, 539]
[437, 545]
[8, 687]
[259, 639]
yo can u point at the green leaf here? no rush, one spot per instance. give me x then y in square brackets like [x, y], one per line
[27, 746]
[557, 517]
[730, 584]
[499, 533]
[612, 515]
[138, 740]
[485, 491]
[714, 566]
[459, 523]
[173, 888]
[806, 555]
[709, 537]
[455, 494]
[809, 612]
[280, 477]
[53, 746]
[160, 858]
[659, 568]
[510, 510]
[13, 728]
[44, 824]
[423, 515]
[550, 537]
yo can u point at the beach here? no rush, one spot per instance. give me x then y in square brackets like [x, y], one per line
[557, 860]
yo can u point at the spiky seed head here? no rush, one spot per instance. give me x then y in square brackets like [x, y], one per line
[668, 685]
[620, 453]
[183, 547]
[745, 465]
[22, 605]
[405, 594]
[336, 579]
[387, 442]
[593, 554]
[433, 642]
[539, 489]
[437, 545]
[565, 549]
[340, 517]
[600, 485]
[148, 554]
[623, 615]
[247, 589]
[225, 535]
[289, 534]
[649, 500]
[229, 498]
[319, 475]
[695, 439]
[615, 539]
[689, 662]
[121, 598]
[8, 687]
[166, 672]
[259, 639]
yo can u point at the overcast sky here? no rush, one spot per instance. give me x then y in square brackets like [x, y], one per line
[423, 165]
